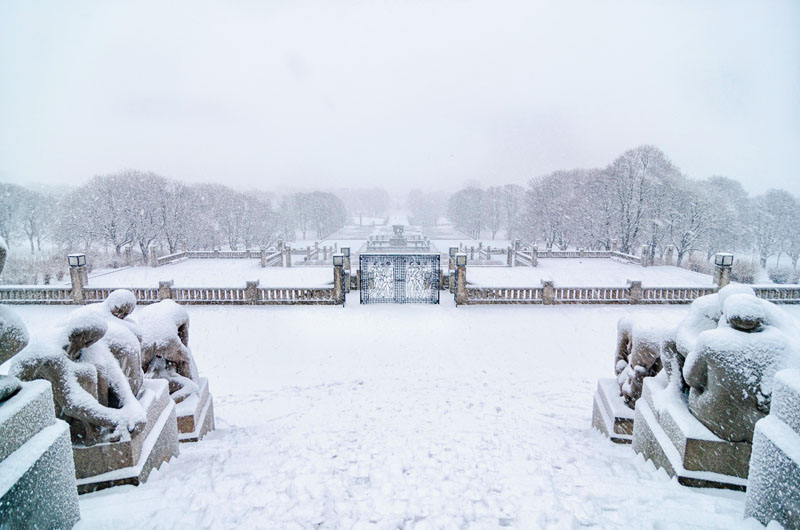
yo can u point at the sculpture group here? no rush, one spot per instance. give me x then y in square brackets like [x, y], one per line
[125, 390]
[689, 397]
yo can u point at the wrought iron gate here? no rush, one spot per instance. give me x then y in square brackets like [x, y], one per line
[399, 278]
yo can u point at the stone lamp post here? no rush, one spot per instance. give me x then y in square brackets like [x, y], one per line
[723, 262]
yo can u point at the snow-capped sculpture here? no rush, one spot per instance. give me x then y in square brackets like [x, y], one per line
[641, 341]
[123, 337]
[165, 348]
[13, 337]
[90, 390]
[730, 369]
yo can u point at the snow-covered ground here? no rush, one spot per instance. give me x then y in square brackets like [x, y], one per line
[212, 273]
[405, 417]
[591, 272]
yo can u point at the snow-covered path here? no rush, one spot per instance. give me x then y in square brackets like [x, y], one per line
[392, 417]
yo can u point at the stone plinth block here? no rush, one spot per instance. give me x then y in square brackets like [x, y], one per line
[773, 492]
[666, 433]
[37, 476]
[610, 415]
[195, 414]
[130, 461]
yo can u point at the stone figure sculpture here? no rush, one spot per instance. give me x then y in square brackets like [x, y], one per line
[123, 337]
[641, 341]
[13, 337]
[165, 348]
[90, 391]
[730, 369]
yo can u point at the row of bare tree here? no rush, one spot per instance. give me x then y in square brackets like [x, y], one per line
[641, 198]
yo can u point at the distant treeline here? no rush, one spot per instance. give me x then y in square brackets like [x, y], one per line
[641, 198]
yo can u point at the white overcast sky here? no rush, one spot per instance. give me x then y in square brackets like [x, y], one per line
[401, 94]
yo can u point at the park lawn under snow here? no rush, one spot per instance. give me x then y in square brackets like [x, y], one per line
[589, 272]
[387, 417]
[213, 273]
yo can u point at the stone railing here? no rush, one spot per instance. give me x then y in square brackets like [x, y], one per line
[633, 293]
[35, 294]
[250, 295]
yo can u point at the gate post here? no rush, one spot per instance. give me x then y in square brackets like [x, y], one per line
[165, 290]
[548, 292]
[263, 255]
[288, 255]
[461, 279]
[346, 254]
[534, 255]
[251, 292]
[635, 288]
[338, 279]
[510, 256]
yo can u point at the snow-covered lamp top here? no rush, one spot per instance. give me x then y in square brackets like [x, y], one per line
[461, 260]
[76, 260]
[338, 260]
[723, 259]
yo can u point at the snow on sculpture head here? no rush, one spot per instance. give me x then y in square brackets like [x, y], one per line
[83, 329]
[13, 336]
[120, 303]
[730, 369]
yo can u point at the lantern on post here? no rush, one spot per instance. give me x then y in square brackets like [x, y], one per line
[723, 262]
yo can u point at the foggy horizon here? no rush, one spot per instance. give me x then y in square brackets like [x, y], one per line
[296, 96]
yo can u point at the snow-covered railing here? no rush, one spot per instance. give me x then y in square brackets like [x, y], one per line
[295, 295]
[504, 295]
[779, 295]
[35, 294]
[591, 295]
[208, 295]
[144, 295]
[549, 294]
[674, 295]
[169, 258]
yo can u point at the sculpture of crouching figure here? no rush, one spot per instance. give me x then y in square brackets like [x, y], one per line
[641, 341]
[165, 348]
[731, 368]
[13, 338]
[123, 337]
[90, 391]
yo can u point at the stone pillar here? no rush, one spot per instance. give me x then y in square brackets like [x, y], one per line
[347, 270]
[76, 277]
[216, 253]
[516, 245]
[510, 256]
[635, 288]
[534, 255]
[548, 292]
[669, 255]
[287, 256]
[153, 257]
[461, 279]
[472, 253]
[165, 290]
[251, 292]
[723, 262]
[614, 245]
[324, 252]
[451, 262]
[645, 255]
[773, 485]
[308, 252]
[280, 244]
[263, 255]
[338, 279]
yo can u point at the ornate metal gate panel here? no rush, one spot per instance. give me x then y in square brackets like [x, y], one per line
[399, 278]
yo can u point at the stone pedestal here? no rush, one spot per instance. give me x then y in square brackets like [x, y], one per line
[131, 461]
[37, 476]
[773, 491]
[666, 433]
[195, 414]
[610, 414]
